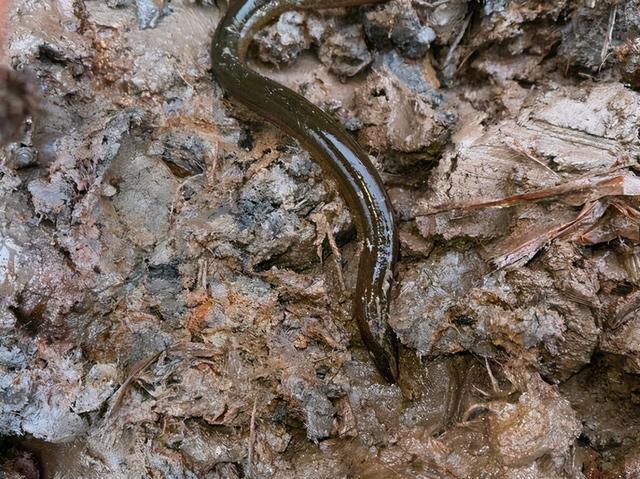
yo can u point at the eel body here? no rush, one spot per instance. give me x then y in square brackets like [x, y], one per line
[339, 156]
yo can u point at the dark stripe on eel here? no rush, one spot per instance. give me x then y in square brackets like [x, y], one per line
[340, 157]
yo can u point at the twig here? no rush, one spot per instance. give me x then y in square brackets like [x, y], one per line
[252, 439]
[324, 230]
[592, 188]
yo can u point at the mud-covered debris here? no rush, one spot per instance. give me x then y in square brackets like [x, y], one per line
[14, 391]
[445, 18]
[540, 423]
[626, 466]
[38, 398]
[12, 354]
[197, 393]
[556, 134]
[341, 44]
[398, 24]
[118, 3]
[388, 106]
[283, 41]
[432, 292]
[419, 78]
[50, 197]
[184, 153]
[575, 192]
[99, 385]
[154, 186]
[378, 24]
[151, 73]
[609, 411]
[319, 413]
[518, 67]
[589, 226]
[623, 338]
[625, 341]
[505, 20]
[454, 305]
[411, 38]
[205, 448]
[278, 228]
[18, 100]
[508, 40]
[4, 31]
[607, 111]
[150, 12]
[33, 277]
[19, 463]
[628, 56]
[593, 34]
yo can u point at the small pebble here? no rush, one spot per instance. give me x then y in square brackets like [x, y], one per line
[109, 190]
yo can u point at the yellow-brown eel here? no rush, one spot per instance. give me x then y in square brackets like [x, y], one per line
[340, 157]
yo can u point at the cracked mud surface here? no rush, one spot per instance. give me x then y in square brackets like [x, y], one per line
[175, 274]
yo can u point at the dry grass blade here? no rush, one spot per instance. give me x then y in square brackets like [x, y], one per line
[517, 250]
[137, 368]
[581, 191]
[252, 439]
[589, 192]
[607, 41]
[325, 230]
[623, 222]
[624, 312]
[627, 210]
[456, 41]
[518, 148]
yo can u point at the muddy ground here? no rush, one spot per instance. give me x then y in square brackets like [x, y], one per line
[175, 274]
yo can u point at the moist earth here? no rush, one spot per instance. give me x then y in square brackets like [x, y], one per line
[176, 274]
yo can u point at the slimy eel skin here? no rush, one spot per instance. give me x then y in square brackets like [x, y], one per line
[338, 154]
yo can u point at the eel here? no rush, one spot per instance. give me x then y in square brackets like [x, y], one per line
[338, 154]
